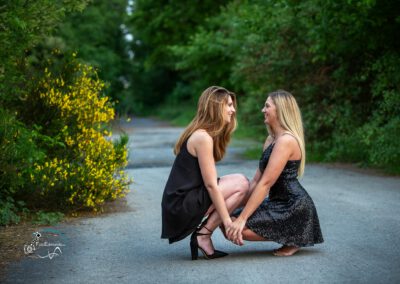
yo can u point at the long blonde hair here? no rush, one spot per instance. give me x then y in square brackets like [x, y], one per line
[289, 117]
[210, 117]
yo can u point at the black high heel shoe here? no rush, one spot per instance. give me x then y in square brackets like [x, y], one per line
[194, 246]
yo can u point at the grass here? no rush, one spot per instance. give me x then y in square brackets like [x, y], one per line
[177, 115]
[252, 153]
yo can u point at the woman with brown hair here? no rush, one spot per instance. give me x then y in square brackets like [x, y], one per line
[193, 190]
[279, 209]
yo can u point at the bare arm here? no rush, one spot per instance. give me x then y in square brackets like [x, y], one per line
[279, 157]
[202, 144]
[258, 174]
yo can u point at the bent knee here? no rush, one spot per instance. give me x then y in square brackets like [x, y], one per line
[242, 183]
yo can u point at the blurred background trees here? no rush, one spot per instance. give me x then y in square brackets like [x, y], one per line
[339, 58]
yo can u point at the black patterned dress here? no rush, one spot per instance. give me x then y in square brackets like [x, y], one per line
[288, 215]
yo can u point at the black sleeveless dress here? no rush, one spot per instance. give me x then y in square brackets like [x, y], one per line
[185, 199]
[288, 215]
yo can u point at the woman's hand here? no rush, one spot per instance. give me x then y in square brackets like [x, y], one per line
[227, 223]
[234, 231]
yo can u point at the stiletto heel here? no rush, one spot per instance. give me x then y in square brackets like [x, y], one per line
[194, 246]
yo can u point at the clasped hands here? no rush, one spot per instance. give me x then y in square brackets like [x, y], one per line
[234, 231]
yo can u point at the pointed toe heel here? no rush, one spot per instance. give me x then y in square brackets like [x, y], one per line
[194, 248]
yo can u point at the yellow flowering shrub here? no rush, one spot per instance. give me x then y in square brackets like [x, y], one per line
[88, 169]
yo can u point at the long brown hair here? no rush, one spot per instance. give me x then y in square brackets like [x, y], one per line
[209, 116]
[289, 117]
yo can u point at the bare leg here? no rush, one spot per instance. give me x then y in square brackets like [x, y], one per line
[234, 188]
[286, 250]
[249, 235]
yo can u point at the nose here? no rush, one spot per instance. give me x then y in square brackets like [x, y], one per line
[263, 110]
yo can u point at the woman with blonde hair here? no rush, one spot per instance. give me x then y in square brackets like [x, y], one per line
[193, 190]
[279, 209]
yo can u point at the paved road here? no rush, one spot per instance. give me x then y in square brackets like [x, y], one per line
[359, 215]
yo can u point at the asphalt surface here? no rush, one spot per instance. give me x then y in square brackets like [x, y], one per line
[359, 215]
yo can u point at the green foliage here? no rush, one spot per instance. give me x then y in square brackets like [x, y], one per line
[253, 153]
[47, 218]
[96, 34]
[157, 26]
[338, 58]
[178, 116]
[83, 168]
[8, 212]
[55, 150]
[380, 134]
[62, 157]
[22, 25]
[18, 151]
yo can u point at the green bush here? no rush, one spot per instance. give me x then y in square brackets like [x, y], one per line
[83, 168]
[47, 218]
[18, 152]
[56, 152]
[380, 134]
[8, 212]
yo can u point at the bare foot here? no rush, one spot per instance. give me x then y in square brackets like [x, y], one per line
[286, 251]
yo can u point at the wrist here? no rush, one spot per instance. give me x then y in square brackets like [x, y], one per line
[242, 219]
[227, 221]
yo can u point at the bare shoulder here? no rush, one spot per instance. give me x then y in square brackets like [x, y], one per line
[200, 136]
[287, 140]
[288, 144]
[199, 139]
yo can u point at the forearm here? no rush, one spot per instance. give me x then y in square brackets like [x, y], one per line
[258, 195]
[234, 231]
[219, 203]
[253, 184]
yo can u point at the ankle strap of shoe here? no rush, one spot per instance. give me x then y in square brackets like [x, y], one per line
[207, 229]
[203, 234]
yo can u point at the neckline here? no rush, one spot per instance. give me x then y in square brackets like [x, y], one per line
[273, 144]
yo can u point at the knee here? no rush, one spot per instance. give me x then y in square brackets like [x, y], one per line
[242, 184]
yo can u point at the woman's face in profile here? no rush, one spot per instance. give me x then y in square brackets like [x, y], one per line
[269, 111]
[229, 110]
